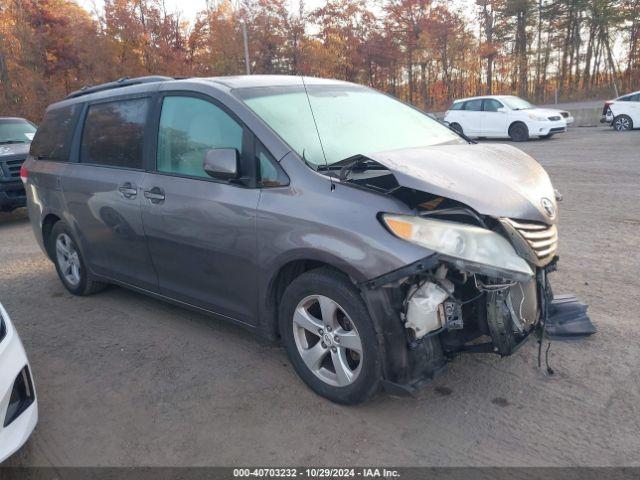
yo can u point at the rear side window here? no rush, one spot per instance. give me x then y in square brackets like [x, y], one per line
[188, 128]
[473, 105]
[113, 133]
[53, 138]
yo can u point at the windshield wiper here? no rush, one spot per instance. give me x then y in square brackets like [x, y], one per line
[356, 162]
[4, 142]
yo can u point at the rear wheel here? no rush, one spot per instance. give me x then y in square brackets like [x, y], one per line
[622, 123]
[519, 132]
[69, 262]
[329, 337]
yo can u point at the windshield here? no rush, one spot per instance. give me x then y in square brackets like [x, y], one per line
[16, 131]
[351, 120]
[516, 103]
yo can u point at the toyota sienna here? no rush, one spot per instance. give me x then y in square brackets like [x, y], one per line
[373, 241]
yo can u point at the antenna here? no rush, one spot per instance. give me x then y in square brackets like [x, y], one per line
[315, 124]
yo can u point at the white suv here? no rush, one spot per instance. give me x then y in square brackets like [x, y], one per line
[623, 113]
[503, 116]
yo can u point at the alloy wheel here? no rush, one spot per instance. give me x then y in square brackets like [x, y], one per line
[68, 259]
[622, 124]
[327, 340]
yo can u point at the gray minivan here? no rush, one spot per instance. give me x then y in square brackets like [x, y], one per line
[373, 241]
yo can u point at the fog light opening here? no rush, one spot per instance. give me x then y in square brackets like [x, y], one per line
[22, 396]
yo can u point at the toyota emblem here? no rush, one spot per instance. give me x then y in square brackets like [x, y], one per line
[549, 207]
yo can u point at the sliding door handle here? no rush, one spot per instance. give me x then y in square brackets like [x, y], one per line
[155, 195]
[128, 190]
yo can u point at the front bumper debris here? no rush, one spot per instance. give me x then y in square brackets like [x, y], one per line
[497, 316]
[568, 318]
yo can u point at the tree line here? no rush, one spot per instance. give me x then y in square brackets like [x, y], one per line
[426, 52]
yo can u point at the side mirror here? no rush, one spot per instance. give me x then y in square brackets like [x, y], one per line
[221, 163]
[501, 110]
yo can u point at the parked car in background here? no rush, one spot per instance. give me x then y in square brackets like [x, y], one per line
[623, 113]
[505, 116]
[371, 239]
[18, 405]
[15, 137]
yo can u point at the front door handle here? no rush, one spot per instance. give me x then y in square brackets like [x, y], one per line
[128, 190]
[155, 195]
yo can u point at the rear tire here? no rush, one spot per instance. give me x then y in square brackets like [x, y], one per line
[518, 132]
[317, 308]
[622, 123]
[69, 262]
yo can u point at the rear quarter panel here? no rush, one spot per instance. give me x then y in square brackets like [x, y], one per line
[44, 193]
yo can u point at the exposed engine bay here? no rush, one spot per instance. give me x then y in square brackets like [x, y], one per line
[485, 288]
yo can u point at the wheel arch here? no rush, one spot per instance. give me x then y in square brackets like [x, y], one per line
[47, 225]
[517, 122]
[285, 273]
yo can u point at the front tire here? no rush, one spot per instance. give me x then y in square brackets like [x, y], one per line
[519, 132]
[622, 123]
[329, 337]
[69, 263]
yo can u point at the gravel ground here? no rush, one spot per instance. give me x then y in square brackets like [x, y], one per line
[126, 380]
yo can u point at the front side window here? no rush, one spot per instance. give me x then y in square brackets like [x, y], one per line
[492, 105]
[457, 106]
[189, 127]
[16, 131]
[113, 133]
[350, 120]
[53, 138]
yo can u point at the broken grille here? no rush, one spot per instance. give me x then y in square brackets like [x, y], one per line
[542, 238]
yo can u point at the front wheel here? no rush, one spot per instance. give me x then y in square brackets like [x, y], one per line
[329, 337]
[519, 132]
[622, 123]
[69, 262]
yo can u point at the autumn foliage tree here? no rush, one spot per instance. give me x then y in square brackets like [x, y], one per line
[426, 52]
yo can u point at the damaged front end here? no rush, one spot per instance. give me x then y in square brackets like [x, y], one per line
[483, 289]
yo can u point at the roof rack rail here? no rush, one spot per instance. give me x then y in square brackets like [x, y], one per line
[121, 82]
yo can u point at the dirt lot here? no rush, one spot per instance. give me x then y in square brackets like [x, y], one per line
[126, 380]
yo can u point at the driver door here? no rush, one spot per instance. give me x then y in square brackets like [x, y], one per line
[494, 122]
[200, 231]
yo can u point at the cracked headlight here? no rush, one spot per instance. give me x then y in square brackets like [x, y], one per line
[470, 248]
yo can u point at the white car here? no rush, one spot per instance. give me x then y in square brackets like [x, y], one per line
[18, 405]
[505, 116]
[623, 113]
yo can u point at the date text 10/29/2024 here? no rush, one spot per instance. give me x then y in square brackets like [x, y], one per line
[315, 473]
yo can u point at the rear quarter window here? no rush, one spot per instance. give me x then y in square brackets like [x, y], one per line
[53, 138]
[113, 133]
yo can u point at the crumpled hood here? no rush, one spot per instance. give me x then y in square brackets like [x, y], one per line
[497, 180]
[14, 149]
